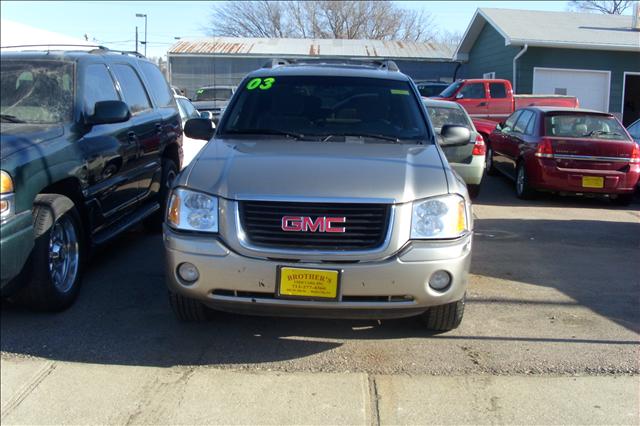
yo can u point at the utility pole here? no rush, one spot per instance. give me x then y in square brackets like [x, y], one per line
[144, 15]
[136, 38]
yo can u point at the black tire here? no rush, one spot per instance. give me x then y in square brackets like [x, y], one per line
[169, 172]
[474, 191]
[489, 166]
[186, 309]
[623, 199]
[522, 186]
[444, 317]
[40, 291]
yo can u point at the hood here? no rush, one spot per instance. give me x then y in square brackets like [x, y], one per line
[15, 137]
[252, 169]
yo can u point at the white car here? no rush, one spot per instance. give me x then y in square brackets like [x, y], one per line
[190, 147]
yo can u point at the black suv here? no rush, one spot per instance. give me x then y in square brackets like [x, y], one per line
[90, 141]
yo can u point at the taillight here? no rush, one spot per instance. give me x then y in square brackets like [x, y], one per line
[479, 148]
[635, 154]
[545, 150]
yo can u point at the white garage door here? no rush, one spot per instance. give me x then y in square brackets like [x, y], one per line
[591, 87]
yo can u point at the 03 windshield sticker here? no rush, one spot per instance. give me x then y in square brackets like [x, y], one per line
[399, 92]
[260, 83]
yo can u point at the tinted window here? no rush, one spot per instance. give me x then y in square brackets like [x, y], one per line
[523, 121]
[473, 91]
[441, 116]
[508, 125]
[157, 84]
[530, 130]
[634, 130]
[428, 90]
[36, 91]
[497, 90]
[188, 108]
[213, 94]
[322, 107]
[132, 89]
[576, 125]
[98, 86]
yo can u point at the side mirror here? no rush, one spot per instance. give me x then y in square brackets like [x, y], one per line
[206, 114]
[500, 125]
[454, 135]
[199, 128]
[107, 112]
[459, 96]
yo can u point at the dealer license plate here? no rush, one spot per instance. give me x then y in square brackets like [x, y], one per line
[297, 283]
[592, 182]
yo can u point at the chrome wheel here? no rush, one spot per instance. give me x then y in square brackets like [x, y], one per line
[520, 181]
[64, 254]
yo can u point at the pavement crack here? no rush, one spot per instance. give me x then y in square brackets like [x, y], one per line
[29, 387]
[374, 398]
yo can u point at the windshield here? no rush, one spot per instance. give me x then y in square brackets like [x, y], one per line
[592, 126]
[449, 91]
[36, 91]
[213, 94]
[443, 115]
[326, 107]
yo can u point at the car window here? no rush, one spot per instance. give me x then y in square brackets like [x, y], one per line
[497, 90]
[213, 94]
[441, 116]
[523, 121]
[189, 110]
[157, 83]
[583, 125]
[449, 91]
[37, 91]
[508, 125]
[323, 106]
[473, 91]
[132, 89]
[98, 87]
[634, 130]
[428, 90]
[530, 130]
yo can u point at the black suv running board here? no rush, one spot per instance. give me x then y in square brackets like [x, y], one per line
[125, 223]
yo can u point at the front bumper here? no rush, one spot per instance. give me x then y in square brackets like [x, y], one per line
[16, 242]
[390, 288]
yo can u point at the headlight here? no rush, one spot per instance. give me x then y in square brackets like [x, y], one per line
[6, 195]
[193, 211]
[439, 218]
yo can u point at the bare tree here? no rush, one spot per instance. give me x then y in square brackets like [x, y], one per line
[381, 20]
[609, 7]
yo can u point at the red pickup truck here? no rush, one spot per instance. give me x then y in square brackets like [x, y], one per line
[494, 99]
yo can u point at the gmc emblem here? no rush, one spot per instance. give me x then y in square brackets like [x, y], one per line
[306, 224]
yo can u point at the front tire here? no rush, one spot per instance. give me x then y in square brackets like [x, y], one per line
[489, 166]
[474, 191]
[55, 263]
[444, 317]
[186, 309]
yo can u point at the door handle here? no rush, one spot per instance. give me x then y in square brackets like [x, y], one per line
[482, 104]
[158, 128]
[132, 137]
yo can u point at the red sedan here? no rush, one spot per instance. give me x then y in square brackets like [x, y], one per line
[565, 150]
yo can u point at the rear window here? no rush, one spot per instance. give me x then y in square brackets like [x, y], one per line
[593, 126]
[158, 84]
[213, 94]
[326, 107]
[37, 91]
[441, 116]
[497, 90]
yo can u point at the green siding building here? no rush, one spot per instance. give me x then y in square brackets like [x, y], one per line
[594, 57]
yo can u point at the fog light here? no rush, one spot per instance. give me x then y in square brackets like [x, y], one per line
[440, 280]
[188, 272]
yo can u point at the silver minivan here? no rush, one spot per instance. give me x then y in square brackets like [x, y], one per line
[323, 193]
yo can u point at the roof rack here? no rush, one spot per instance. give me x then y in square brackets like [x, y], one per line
[381, 64]
[97, 48]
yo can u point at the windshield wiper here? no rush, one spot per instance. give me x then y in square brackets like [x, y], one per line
[362, 135]
[601, 132]
[292, 135]
[11, 118]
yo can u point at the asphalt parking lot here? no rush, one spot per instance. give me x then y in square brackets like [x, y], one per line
[554, 289]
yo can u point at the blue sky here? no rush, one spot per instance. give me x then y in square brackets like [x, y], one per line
[113, 23]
